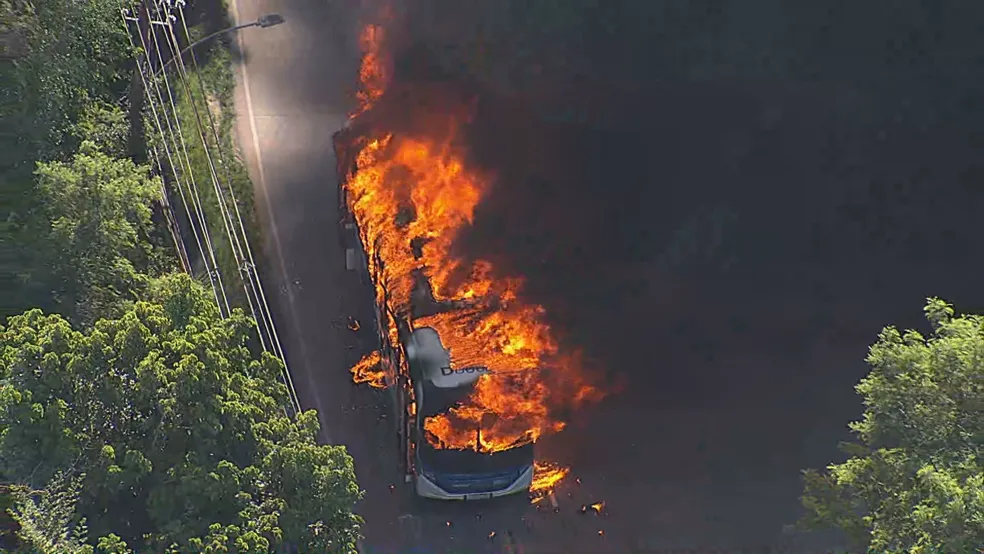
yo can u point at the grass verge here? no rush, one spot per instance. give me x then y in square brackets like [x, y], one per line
[209, 90]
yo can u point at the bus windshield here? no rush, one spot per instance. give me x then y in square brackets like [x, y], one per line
[439, 400]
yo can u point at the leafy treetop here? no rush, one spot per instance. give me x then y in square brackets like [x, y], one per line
[176, 431]
[914, 483]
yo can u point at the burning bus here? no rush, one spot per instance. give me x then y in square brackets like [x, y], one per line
[474, 371]
[448, 449]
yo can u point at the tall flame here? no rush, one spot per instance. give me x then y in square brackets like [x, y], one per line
[412, 195]
[374, 73]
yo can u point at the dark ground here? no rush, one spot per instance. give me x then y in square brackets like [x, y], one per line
[727, 235]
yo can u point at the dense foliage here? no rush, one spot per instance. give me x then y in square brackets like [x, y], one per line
[133, 418]
[78, 54]
[176, 430]
[914, 483]
[98, 248]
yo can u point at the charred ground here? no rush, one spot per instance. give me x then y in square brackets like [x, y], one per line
[723, 205]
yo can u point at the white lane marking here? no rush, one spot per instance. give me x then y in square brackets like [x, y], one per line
[275, 235]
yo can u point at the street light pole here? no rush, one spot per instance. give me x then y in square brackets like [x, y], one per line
[268, 20]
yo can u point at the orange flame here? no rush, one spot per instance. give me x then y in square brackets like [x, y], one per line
[374, 73]
[546, 476]
[368, 371]
[412, 194]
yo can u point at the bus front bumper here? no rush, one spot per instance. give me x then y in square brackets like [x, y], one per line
[428, 489]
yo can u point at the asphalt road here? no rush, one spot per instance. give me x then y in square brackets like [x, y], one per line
[291, 97]
[735, 385]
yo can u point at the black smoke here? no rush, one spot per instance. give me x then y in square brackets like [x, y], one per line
[688, 184]
[706, 138]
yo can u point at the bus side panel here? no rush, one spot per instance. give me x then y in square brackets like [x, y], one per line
[396, 371]
[392, 356]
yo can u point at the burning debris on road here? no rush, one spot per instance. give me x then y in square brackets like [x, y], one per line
[597, 507]
[546, 476]
[367, 371]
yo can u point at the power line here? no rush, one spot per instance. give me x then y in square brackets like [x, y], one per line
[239, 244]
[248, 262]
[234, 241]
[214, 272]
[172, 222]
[183, 166]
[176, 169]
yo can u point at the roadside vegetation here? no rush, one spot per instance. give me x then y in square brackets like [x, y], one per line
[209, 82]
[913, 482]
[133, 418]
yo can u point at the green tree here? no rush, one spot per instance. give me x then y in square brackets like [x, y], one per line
[105, 125]
[914, 483]
[98, 239]
[78, 53]
[178, 430]
[47, 522]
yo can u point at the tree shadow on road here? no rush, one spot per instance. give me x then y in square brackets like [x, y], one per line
[237, 54]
